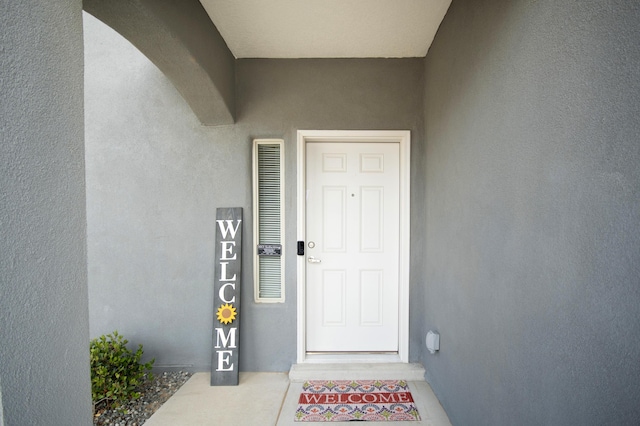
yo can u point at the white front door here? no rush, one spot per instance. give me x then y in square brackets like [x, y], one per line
[352, 246]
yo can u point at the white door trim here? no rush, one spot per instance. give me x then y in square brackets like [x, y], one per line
[403, 137]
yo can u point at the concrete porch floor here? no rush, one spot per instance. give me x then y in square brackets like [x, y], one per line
[263, 399]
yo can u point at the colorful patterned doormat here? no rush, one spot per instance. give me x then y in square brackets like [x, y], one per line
[356, 400]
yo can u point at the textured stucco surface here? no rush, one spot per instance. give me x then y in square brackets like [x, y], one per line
[182, 41]
[278, 97]
[155, 177]
[1, 410]
[533, 212]
[44, 332]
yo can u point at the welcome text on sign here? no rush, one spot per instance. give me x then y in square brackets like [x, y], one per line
[224, 363]
[355, 398]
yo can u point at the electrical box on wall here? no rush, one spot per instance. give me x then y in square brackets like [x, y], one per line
[433, 341]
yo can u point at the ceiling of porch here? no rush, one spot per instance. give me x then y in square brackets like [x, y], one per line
[327, 28]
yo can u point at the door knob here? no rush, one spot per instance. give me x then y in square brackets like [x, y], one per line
[312, 259]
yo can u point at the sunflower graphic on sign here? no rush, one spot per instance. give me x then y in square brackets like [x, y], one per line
[226, 313]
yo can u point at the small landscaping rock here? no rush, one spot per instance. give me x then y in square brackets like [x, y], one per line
[153, 393]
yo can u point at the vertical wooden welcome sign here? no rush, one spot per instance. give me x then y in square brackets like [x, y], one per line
[226, 297]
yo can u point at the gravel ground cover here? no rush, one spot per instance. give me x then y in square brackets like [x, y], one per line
[153, 393]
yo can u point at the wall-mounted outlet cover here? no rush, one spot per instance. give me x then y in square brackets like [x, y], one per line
[433, 341]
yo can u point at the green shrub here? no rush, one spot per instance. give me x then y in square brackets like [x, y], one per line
[116, 372]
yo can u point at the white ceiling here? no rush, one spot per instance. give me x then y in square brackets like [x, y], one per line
[327, 28]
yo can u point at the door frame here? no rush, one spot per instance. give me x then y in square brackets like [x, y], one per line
[403, 138]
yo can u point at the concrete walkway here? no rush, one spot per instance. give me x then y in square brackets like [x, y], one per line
[263, 399]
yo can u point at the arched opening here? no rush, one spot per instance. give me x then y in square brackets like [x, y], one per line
[154, 174]
[180, 39]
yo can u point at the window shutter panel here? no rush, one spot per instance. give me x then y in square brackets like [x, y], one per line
[268, 220]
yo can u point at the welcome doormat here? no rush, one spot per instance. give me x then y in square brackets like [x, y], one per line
[356, 400]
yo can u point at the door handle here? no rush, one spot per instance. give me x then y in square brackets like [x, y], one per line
[312, 259]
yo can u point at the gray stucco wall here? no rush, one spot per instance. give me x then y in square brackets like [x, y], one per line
[533, 212]
[181, 40]
[155, 178]
[278, 97]
[1, 410]
[44, 331]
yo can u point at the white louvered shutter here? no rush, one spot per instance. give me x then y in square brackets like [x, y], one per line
[268, 219]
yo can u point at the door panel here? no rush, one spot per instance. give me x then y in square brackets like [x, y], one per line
[334, 299]
[371, 214]
[352, 229]
[334, 218]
